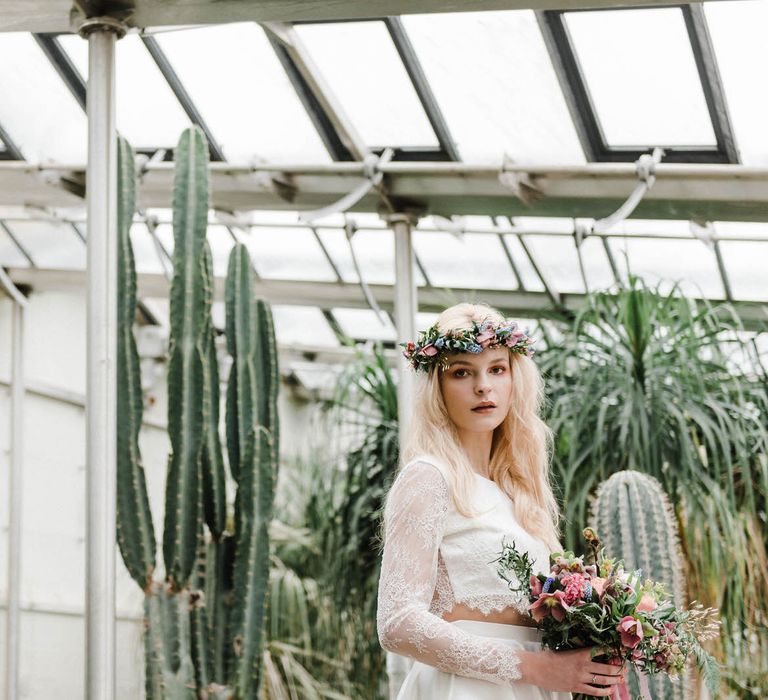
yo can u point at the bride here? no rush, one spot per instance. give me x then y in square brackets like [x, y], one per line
[475, 470]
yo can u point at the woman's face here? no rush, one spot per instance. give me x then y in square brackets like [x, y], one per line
[474, 380]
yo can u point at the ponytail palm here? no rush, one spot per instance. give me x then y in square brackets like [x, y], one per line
[646, 381]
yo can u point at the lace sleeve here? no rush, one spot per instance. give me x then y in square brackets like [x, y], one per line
[414, 519]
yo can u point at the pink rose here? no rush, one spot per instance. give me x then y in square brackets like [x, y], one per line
[647, 603]
[550, 603]
[484, 339]
[631, 631]
[429, 350]
[536, 586]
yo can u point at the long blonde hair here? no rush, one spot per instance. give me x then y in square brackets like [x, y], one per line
[521, 446]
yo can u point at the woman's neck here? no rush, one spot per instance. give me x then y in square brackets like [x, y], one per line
[477, 447]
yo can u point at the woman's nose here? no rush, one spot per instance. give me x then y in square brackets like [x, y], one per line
[482, 386]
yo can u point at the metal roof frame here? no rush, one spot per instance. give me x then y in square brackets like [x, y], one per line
[327, 295]
[586, 121]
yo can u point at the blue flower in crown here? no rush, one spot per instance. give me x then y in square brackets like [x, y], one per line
[433, 346]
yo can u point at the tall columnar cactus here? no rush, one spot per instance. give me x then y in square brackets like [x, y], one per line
[637, 524]
[189, 314]
[135, 533]
[205, 623]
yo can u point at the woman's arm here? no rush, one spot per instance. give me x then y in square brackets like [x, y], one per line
[414, 519]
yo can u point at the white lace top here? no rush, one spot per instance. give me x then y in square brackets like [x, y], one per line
[435, 558]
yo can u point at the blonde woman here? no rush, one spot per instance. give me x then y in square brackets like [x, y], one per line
[474, 471]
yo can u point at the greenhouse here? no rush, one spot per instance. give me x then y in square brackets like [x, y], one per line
[233, 237]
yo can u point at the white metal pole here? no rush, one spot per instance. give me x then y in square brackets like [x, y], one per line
[405, 309]
[14, 491]
[405, 321]
[101, 387]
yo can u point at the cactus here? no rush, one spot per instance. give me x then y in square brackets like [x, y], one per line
[189, 311]
[205, 624]
[135, 532]
[636, 522]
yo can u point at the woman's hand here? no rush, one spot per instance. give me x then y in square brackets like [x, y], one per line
[571, 671]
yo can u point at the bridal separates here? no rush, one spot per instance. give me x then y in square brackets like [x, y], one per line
[425, 682]
[435, 558]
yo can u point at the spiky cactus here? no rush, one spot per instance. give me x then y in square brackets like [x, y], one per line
[637, 524]
[205, 622]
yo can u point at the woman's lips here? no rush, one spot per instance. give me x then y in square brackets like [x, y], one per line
[484, 409]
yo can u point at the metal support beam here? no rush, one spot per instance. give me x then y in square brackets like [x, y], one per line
[11, 150]
[101, 383]
[405, 307]
[15, 500]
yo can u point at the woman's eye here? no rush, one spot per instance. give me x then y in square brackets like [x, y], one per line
[458, 373]
[501, 369]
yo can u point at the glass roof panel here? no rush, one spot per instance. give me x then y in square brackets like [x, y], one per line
[374, 250]
[148, 113]
[221, 243]
[363, 70]
[647, 94]
[10, 255]
[144, 250]
[745, 265]
[288, 253]
[493, 79]
[55, 246]
[531, 282]
[738, 35]
[365, 323]
[302, 325]
[558, 260]
[243, 93]
[476, 261]
[37, 110]
[656, 260]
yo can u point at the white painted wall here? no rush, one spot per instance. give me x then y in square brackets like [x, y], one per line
[53, 529]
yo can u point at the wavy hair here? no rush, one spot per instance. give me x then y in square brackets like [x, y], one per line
[521, 447]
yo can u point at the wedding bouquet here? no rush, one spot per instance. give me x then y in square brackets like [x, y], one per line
[578, 605]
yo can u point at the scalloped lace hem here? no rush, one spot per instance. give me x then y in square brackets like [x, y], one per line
[488, 603]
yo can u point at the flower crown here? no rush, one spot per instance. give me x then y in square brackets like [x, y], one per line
[432, 347]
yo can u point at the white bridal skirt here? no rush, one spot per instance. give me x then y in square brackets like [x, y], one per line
[424, 682]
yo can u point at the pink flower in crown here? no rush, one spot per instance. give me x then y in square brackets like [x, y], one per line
[550, 604]
[484, 339]
[631, 631]
[536, 586]
[429, 350]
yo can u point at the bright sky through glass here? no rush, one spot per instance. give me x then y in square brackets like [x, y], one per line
[640, 71]
[363, 69]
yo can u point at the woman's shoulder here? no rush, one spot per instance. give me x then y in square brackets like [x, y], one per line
[425, 463]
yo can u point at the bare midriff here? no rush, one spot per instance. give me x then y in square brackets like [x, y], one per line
[508, 616]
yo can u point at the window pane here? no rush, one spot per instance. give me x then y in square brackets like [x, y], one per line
[50, 245]
[493, 79]
[745, 265]
[558, 259]
[476, 261]
[531, 281]
[365, 323]
[37, 110]
[243, 93]
[738, 35]
[288, 253]
[374, 250]
[644, 94]
[302, 325]
[148, 113]
[10, 255]
[660, 261]
[363, 70]
[145, 251]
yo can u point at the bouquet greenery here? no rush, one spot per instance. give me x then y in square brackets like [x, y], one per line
[599, 603]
